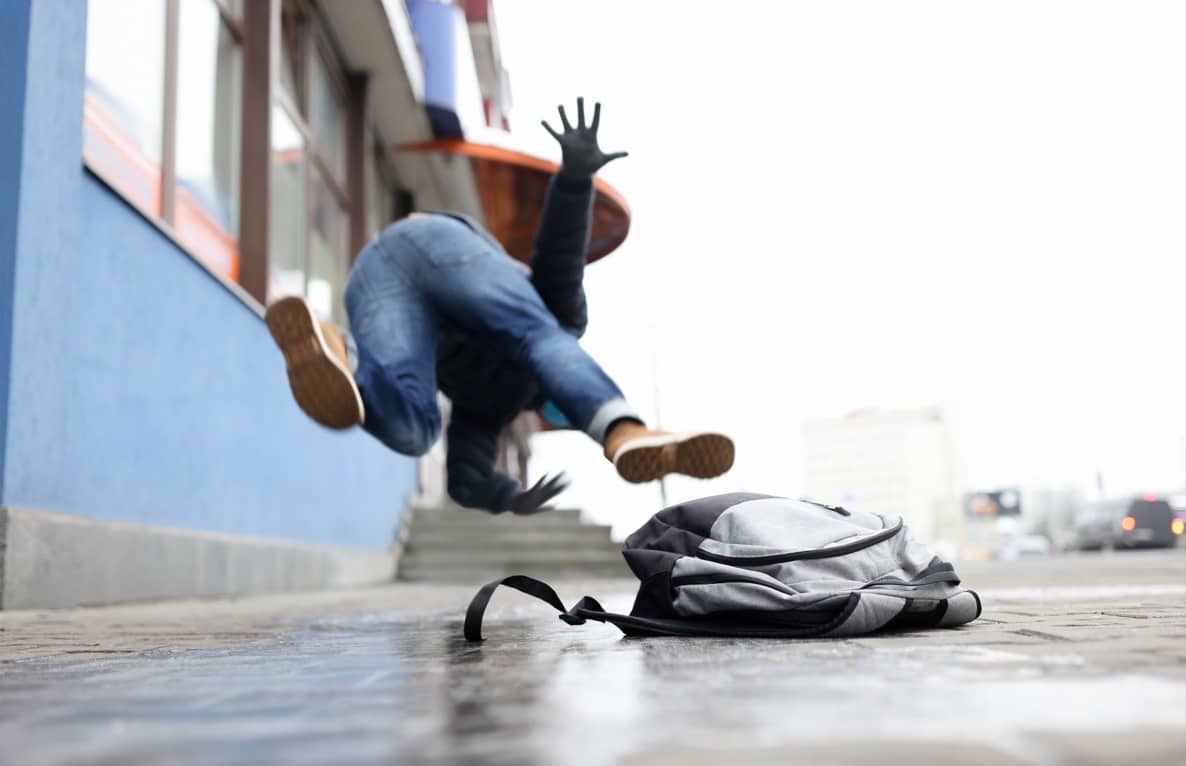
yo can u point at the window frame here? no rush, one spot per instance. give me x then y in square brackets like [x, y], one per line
[315, 45]
[166, 219]
[256, 29]
[323, 49]
[379, 165]
[234, 22]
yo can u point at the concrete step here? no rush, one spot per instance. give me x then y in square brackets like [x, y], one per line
[458, 545]
[520, 557]
[438, 526]
[480, 575]
[576, 537]
[452, 516]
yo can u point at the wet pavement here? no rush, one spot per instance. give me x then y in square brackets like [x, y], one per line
[1075, 660]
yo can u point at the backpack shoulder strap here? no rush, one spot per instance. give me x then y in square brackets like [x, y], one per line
[588, 608]
[532, 587]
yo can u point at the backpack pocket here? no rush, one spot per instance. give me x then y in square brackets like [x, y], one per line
[772, 530]
[753, 558]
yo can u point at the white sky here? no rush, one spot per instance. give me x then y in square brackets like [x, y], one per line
[849, 204]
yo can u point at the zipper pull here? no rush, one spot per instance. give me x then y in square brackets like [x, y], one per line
[834, 508]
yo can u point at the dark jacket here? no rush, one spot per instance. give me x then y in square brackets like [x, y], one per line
[486, 388]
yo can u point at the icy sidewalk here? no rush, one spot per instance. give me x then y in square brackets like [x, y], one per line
[1075, 660]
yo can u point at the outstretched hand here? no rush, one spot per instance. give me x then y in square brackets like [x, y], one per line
[582, 157]
[531, 501]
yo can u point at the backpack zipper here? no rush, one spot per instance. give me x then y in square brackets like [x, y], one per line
[816, 553]
[918, 582]
[716, 579]
[834, 508]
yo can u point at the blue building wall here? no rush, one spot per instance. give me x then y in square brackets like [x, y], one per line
[14, 39]
[138, 387]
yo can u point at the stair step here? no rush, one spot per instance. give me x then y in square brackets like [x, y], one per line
[481, 575]
[453, 528]
[500, 538]
[572, 555]
[521, 557]
[463, 516]
[450, 544]
[431, 526]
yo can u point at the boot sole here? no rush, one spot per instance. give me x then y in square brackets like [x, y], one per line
[321, 385]
[703, 456]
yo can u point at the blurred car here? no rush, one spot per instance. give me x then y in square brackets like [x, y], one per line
[1142, 521]
[1177, 501]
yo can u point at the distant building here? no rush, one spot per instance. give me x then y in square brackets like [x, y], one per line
[1050, 510]
[888, 461]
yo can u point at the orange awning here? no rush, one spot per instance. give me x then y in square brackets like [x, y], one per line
[511, 187]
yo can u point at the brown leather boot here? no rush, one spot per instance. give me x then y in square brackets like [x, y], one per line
[641, 454]
[623, 431]
[318, 371]
[335, 342]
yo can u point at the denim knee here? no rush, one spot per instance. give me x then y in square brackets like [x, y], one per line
[414, 437]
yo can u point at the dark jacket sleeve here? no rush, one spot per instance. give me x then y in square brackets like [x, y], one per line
[472, 447]
[561, 244]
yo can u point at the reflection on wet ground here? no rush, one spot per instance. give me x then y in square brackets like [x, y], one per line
[403, 687]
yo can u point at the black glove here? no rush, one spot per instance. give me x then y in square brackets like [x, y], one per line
[526, 502]
[582, 156]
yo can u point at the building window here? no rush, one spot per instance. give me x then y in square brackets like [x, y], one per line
[380, 192]
[209, 101]
[286, 234]
[162, 115]
[327, 114]
[309, 234]
[124, 102]
[329, 262]
[164, 127]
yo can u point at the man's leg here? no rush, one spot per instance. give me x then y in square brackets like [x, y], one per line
[484, 293]
[487, 294]
[396, 337]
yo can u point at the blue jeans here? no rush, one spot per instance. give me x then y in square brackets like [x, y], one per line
[427, 278]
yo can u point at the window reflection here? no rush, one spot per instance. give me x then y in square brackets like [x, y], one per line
[380, 196]
[290, 52]
[124, 103]
[287, 216]
[126, 120]
[329, 264]
[209, 89]
[328, 119]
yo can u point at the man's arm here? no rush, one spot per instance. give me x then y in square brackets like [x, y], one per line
[472, 480]
[561, 243]
[558, 262]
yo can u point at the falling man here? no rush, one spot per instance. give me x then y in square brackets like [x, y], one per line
[435, 301]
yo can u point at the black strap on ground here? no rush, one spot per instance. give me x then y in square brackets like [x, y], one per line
[532, 587]
[589, 609]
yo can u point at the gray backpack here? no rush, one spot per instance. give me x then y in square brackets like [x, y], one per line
[753, 565]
